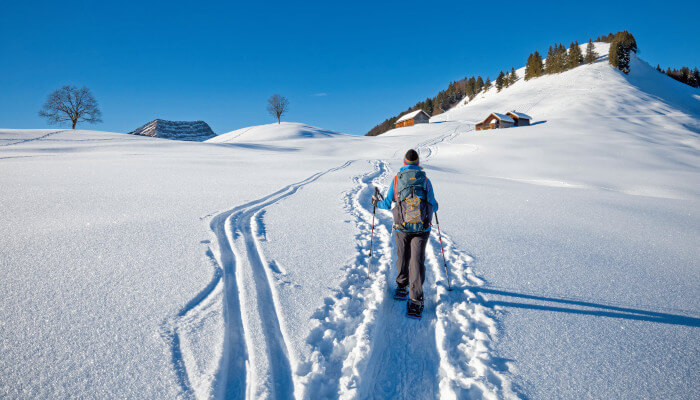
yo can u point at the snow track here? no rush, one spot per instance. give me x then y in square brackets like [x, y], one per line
[255, 362]
[33, 139]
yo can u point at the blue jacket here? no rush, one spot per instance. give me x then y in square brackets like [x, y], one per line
[389, 198]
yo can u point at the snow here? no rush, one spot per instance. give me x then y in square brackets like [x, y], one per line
[275, 132]
[136, 267]
[520, 115]
[410, 115]
[503, 117]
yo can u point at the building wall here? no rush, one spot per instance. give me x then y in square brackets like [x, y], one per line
[401, 124]
[421, 119]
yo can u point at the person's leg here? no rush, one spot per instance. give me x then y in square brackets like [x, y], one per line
[417, 265]
[403, 253]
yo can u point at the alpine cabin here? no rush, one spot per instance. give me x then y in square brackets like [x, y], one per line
[412, 118]
[495, 121]
[521, 119]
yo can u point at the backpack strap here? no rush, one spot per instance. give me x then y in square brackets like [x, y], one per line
[396, 178]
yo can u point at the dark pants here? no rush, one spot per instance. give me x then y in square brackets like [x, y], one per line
[410, 261]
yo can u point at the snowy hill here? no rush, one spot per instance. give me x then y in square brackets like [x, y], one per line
[271, 132]
[238, 267]
[196, 131]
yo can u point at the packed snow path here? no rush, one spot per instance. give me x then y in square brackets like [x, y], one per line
[365, 347]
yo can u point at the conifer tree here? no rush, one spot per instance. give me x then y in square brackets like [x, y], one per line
[528, 67]
[574, 57]
[487, 84]
[479, 84]
[471, 87]
[550, 61]
[619, 56]
[562, 65]
[513, 76]
[537, 65]
[591, 55]
[428, 106]
[500, 81]
[658, 67]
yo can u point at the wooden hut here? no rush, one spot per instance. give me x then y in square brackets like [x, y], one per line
[495, 121]
[412, 118]
[521, 119]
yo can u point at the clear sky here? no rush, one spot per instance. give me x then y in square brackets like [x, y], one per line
[344, 66]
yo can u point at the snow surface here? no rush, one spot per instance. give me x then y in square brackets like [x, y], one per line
[137, 267]
[410, 115]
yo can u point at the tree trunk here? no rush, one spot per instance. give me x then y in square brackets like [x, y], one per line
[75, 121]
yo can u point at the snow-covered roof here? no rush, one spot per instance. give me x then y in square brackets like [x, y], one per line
[411, 115]
[520, 115]
[503, 117]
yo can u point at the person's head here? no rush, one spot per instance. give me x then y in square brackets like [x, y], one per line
[411, 158]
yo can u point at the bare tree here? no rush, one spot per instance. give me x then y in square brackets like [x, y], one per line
[277, 106]
[71, 104]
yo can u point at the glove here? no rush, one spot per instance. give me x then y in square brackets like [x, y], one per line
[375, 200]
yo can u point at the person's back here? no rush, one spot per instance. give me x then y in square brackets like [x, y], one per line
[413, 195]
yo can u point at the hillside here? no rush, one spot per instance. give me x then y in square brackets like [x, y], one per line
[238, 267]
[270, 132]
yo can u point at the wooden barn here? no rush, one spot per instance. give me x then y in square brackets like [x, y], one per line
[495, 121]
[521, 119]
[412, 118]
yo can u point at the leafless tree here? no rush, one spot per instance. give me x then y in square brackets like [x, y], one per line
[71, 104]
[277, 106]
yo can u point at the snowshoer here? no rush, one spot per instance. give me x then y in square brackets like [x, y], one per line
[415, 204]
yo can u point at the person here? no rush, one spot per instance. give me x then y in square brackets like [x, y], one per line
[415, 204]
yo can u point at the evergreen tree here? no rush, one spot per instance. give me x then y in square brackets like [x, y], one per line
[471, 87]
[513, 76]
[487, 84]
[591, 55]
[658, 68]
[620, 48]
[500, 81]
[537, 65]
[528, 67]
[428, 106]
[550, 61]
[574, 57]
[562, 65]
[479, 84]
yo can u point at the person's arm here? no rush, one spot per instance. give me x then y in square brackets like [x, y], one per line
[431, 196]
[388, 199]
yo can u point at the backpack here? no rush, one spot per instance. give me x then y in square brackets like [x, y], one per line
[413, 212]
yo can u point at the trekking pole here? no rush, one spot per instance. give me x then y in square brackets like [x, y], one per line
[447, 274]
[371, 237]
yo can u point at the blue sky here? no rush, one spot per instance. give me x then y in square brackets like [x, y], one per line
[344, 66]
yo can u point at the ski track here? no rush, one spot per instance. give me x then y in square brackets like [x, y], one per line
[254, 362]
[363, 345]
[34, 139]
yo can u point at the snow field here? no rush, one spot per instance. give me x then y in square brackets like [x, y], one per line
[239, 269]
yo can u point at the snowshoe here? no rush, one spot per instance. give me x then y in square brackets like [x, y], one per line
[414, 309]
[401, 293]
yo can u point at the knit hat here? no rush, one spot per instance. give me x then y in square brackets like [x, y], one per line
[411, 157]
